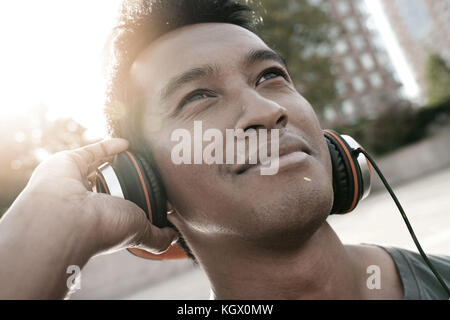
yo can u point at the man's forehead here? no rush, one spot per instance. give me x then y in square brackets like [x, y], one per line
[190, 46]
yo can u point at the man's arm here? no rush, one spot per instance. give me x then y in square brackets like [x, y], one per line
[57, 222]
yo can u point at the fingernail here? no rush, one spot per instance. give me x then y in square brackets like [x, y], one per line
[174, 241]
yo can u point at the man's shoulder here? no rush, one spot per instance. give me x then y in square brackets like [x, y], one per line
[419, 283]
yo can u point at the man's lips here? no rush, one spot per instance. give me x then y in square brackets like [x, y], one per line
[292, 150]
[285, 161]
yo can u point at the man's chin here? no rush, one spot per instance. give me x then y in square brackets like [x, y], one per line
[290, 219]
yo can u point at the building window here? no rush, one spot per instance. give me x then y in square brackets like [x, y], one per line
[375, 80]
[315, 2]
[349, 110]
[334, 32]
[341, 87]
[358, 84]
[349, 64]
[343, 8]
[341, 47]
[385, 62]
[323, 50]
[383, 59]
[358, 42]
[348, 107]
[394, 75]
[367, 61]
[330, 114]
[377, 41]
[350, 24]
[369, 105]
[308, 52]
[362, 8]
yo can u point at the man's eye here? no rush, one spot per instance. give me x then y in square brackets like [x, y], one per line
[197, 95]
[270, 74]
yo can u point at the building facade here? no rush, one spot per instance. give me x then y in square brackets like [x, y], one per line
[422, 28]
[366, 83]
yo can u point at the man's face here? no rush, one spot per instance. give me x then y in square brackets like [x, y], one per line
[237, 83]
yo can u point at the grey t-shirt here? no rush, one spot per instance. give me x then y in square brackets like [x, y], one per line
[419, 283]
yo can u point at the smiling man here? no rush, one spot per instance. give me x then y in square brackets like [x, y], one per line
[255, 236]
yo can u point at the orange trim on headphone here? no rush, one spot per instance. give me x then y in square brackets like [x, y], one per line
[144, 186]
[173, 253]
[352, 165]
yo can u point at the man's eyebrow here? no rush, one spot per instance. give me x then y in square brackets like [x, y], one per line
[253, 57]
[191, 75]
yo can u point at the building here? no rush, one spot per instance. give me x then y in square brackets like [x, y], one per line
[366, 83]
[422, 27]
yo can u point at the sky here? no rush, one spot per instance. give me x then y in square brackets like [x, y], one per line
[51, 55]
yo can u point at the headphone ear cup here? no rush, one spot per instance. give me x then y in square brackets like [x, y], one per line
[352, 173]
[141, 184]
[343, 188]
[156, 193]
[133, 181]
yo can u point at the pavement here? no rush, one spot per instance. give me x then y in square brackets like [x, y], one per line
[376, 220]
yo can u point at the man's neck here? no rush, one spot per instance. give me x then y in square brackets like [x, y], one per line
[320, 269]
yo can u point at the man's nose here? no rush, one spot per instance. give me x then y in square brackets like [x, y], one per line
[259, 112]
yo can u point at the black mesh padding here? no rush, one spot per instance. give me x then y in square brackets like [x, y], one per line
[342, 177]
[156, 194]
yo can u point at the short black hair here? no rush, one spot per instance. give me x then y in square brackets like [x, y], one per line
[140, 23]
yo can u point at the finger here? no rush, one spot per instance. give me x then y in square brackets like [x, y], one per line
[128, 226]
[90, 157]
[92, 168]
[82, 168]
[157, 240]
[101, 150]
[87, 173]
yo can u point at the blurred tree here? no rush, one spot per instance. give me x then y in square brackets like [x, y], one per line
[302, 33]
[438, 79]
[28, 139]
[399, 125]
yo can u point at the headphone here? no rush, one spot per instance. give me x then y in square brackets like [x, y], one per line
[133, 177]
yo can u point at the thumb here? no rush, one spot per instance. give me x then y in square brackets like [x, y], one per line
[125, 225]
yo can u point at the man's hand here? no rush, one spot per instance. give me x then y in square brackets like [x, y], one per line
[58, 221]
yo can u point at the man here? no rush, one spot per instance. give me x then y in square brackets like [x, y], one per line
[255, 236]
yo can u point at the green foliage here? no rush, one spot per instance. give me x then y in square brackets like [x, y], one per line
[298, 31]
[438, 79]
[399, 126]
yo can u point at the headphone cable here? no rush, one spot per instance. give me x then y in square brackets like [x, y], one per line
[400, 208]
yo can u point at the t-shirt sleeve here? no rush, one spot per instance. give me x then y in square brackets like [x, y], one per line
[419, 283]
